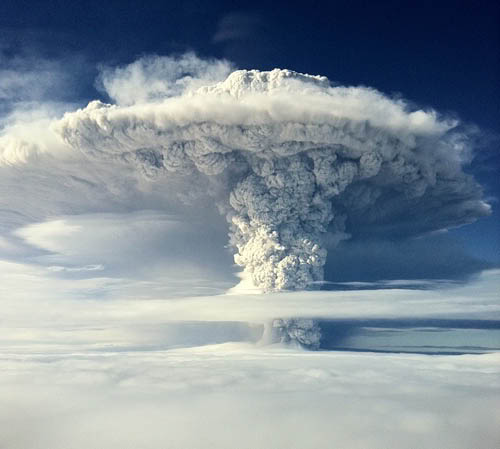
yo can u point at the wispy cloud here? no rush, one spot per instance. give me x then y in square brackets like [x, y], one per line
[155, 78]
[236, 26]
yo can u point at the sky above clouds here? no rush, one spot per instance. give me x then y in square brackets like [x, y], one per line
[140, 151]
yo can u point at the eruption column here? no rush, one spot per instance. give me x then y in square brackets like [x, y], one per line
[294, 163]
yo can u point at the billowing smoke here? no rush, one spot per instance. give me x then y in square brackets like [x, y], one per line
[295, 163]
[304, 332]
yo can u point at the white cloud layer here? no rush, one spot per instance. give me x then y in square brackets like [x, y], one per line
[91, 362]
[40, 305]
[235, 394]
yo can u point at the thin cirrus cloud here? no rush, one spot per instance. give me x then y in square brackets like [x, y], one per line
[237, 26]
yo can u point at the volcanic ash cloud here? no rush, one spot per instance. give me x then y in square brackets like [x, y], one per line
[295, 163]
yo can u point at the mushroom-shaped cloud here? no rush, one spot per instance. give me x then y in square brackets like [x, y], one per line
[298, 164]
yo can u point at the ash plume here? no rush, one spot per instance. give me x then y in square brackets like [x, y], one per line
[302, 332]
[295, 163]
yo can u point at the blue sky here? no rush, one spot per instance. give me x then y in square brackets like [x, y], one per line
[441, 53]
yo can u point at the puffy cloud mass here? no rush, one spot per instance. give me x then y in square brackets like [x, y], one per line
[295, 163]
